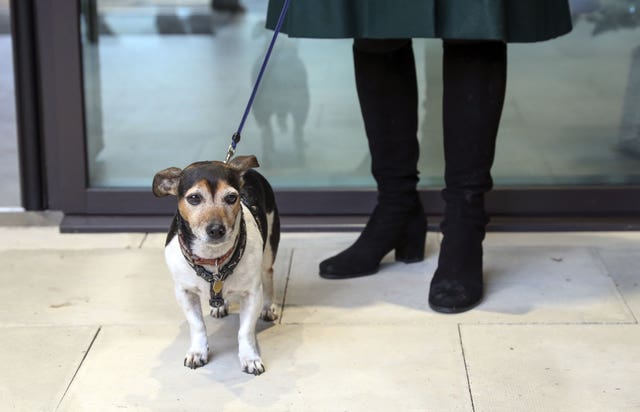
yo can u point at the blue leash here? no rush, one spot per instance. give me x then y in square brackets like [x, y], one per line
[236, 136]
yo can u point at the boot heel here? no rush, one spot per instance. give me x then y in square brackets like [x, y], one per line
[411, 246]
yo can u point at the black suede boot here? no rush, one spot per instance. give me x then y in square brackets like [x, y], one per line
[387, 91]
[474, 87]
[457, 283]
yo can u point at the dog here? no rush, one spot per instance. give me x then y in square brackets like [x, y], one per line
[222, 245]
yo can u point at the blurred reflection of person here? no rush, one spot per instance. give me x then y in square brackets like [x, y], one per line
[232, 6]
[284, 94]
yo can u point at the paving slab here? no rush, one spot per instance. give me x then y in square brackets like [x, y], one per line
[154, 241]
[572, 239]
[493, 239]
[622, 265]
[523, 284]
[553, 367]
[608, 240]
[22, 218]
[103, 286]
[560, 284]
[38, 364]
[395, 294]
[50, 238]
[309, 368]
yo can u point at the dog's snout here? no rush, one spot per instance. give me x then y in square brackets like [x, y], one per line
[216, 231]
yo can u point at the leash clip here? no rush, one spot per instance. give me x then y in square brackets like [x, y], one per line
[232, 147]
[230, 153]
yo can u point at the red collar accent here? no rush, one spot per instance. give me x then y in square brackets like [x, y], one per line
[197, 260]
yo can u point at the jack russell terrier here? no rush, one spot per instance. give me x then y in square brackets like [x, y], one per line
[222, 245]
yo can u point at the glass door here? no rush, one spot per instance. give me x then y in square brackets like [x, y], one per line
[149, 84]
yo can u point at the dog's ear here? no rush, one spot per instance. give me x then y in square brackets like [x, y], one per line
[243, 163]
[166, 182]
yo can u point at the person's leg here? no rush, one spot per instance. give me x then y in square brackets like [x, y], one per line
[474, 75]
[388, 94]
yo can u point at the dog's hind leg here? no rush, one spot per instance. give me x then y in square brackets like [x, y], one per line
[247, 346]
[198, 352]
[269, 312]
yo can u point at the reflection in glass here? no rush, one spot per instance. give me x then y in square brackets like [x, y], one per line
[9, 170]
[282, 105]
[166, 82]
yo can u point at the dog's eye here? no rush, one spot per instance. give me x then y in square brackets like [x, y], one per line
[194, 199]
[231, 198]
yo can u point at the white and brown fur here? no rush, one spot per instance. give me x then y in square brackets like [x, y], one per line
[213, 197]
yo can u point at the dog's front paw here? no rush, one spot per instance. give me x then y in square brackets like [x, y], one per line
[195, 359]
[252, 366]
[269, 314]
[220, 312]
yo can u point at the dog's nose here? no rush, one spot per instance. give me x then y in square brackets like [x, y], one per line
[216, 231]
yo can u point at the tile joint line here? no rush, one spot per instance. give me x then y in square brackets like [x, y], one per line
[144, 238]
[79, 366]
[466, 369]
[598, 256]
[286, 286]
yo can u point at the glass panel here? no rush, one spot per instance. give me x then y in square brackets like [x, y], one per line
[9, 172]
[167, 81]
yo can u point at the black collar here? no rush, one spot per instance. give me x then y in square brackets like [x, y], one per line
[220, 274]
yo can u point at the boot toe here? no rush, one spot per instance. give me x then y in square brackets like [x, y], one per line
[333, 268]
[451, 296]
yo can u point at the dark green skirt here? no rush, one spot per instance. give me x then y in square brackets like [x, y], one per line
[507, 20]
